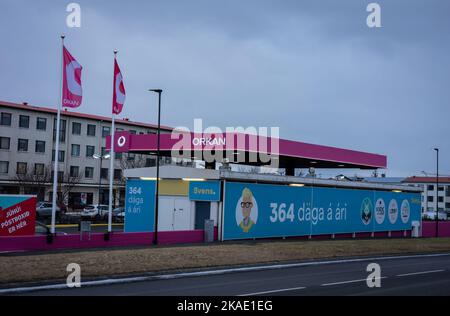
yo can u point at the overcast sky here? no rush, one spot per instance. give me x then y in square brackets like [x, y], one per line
[312, 68]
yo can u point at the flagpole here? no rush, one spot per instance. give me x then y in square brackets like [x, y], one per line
[111, 164]
[58, 122]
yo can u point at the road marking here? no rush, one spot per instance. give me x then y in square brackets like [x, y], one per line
[212, 272]
[418, 273]
[274, 291]
[351, 281]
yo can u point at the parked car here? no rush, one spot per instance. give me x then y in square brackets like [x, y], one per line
[95, 212]
[432, 215]
[44, 210]
[118, 214]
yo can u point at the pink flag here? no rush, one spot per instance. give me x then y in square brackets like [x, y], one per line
[118, 91]
[72, 93]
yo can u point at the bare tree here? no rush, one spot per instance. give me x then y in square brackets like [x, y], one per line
[66, 185]
[34, 181]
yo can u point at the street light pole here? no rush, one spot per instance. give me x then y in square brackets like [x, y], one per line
[159, 92]
[437, 191]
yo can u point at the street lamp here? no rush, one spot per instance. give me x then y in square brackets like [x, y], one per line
[437, 191]
[159, 92]
[101, 157]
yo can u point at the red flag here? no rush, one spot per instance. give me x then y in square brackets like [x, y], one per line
[72, 94]
[118, 91]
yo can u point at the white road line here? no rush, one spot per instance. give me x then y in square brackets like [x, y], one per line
[418, 273]
[274, 291]
[351, 281]
[213, 272]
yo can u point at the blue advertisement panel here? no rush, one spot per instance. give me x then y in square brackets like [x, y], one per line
[140, 206]
[263, 211]
[204, 191]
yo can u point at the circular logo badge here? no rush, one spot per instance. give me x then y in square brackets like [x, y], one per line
[121, 141]
[405, 211]
[380, 211]
[393, 211]
[366, 211]
[246, 211]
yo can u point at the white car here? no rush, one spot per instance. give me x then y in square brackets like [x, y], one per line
[95, 211]
[432, 215]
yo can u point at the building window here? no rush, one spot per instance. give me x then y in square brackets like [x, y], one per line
[62, 131]
[21, 168]
[40, 146]
[4, 143]
[90, 151]
[119, 129]
[75, 150]
[131, 157]
[440, 199]
[39, 169]
[4, 166]
[104, 173]
[24, 121]
[118, 156]
[5, 119]
[41, 124]
[61, 155]
[430, 198]
[441, 188]
[89, 172]
[91, 130]
[76, 128]
[106, 131]
[150, 162]
[104, 151]
[74, 171]
[132, 132]
[22, 145]
[430, 187]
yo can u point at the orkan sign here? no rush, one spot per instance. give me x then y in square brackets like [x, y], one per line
[17, 215]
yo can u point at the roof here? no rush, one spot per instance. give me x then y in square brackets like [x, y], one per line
[178, 172]
[392, 180]
[415, 179]
[79, 115]
[291, 154]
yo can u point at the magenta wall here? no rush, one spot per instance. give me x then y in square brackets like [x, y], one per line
[429, 229]
[39, 243]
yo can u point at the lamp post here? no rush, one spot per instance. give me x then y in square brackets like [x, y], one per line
[437, 191]
[159, 92]
[101, 157]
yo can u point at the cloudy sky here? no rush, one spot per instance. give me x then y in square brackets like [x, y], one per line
[312, 68]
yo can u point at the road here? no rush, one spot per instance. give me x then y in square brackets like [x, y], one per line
[400, 276]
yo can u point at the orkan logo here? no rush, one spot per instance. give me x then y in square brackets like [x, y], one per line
[72, 94]
[209, 141]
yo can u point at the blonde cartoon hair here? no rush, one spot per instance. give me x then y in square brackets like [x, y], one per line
[247, 194]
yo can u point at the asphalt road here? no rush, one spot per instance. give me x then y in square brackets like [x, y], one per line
[405, 276]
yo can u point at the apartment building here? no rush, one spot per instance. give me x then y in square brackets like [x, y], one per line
[429, 192]
[27, 141]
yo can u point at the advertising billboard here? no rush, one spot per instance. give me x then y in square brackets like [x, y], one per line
[204, 191]
[140, 206]
[17, 215]
[263, 211]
